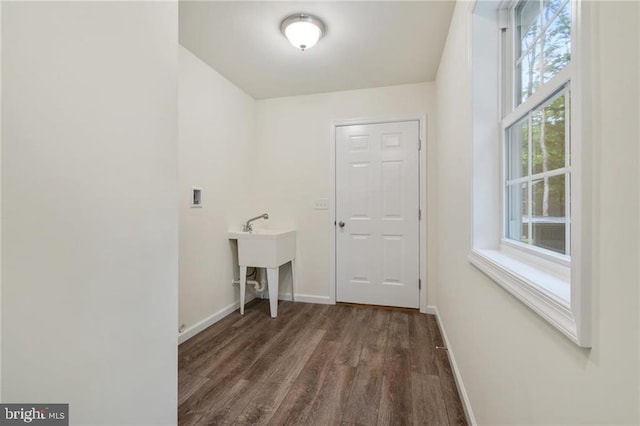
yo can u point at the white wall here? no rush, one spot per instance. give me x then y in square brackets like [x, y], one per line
[292, 166]
[517, 368]
[89, 189]
[216, 122]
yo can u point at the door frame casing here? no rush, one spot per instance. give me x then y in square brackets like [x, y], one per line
[422, 198]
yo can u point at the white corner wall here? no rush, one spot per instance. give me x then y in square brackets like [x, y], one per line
[516, 368]
[292, 168]
[216, 121]
[89, 214]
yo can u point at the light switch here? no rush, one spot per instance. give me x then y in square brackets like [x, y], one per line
[321, 204]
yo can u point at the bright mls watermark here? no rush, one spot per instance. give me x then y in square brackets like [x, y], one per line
[34, 414]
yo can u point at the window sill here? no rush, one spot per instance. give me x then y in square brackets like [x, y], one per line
[545, 293]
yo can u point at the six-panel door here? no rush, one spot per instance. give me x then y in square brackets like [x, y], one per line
[377, 202]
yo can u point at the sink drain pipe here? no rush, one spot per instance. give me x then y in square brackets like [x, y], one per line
[259, 286]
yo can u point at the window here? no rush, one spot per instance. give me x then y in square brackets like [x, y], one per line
[542, 43]
[531, 151]
[537, 178]
[537, 169]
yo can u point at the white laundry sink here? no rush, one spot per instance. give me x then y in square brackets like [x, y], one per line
[265, 248]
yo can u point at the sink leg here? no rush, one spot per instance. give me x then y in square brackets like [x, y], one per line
[243, 287]
[272, 282]
[293, 280]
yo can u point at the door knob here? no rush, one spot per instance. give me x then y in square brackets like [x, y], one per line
[341, 224]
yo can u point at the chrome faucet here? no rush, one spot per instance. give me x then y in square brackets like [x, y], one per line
[247, 226]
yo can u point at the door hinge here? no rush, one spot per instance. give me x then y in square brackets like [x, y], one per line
[419, 214]
[419, 144]
[419, 284]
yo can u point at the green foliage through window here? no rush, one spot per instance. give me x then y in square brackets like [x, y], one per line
[543, 43]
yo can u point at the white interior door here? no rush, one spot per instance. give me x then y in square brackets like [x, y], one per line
[377, 203]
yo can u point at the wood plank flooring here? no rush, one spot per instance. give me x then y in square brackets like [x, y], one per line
[318, 365]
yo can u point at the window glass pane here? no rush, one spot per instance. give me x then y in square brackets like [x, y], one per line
[518, 150]
[548, 213]
[517, 212]
[528, 24]
[548, 137]
[550, 9]
[536, 135]
[528, 72]
[557, 41]
[540, 56]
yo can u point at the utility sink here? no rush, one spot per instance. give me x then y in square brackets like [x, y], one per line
[265, 248]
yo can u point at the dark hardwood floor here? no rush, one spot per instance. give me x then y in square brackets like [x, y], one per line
[318, 365]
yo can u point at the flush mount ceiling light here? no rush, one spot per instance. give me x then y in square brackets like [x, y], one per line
[302, 30]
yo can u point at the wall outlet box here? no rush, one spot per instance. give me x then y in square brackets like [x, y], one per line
[196, 197]
[321, 204]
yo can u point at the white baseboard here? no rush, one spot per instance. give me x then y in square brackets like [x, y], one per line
[431, 310]
[304, 298]
[309, 298]
[209, 321]
[466, 403]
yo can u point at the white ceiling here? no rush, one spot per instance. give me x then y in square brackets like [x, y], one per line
[367, 44]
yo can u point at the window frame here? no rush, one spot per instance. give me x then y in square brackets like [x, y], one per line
[554, 286]
[514, 112]
[564, 259]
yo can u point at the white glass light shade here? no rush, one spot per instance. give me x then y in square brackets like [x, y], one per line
[302, 35]
[303, 31]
